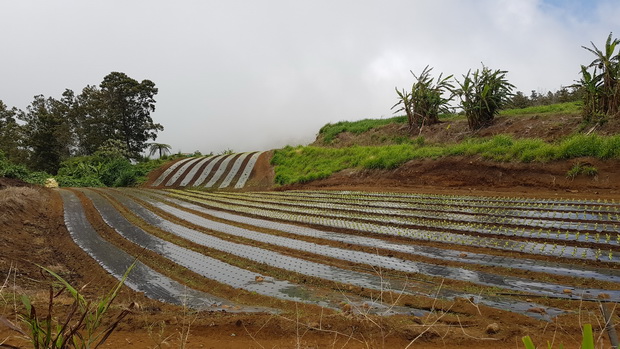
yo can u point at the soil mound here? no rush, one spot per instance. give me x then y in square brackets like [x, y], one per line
[12, 182]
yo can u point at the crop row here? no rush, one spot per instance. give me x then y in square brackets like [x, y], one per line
[417, 250]
[240, 278]
[383, 225]
[210, 171]
[600, 230]
[142, 278]
[228, 274]
[372, 259]
[252, 253]
[230, 242]
[444, 206]
[600, 205]
[582, 203]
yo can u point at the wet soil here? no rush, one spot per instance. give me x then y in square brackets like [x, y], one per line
[32, 233]
[35, 233]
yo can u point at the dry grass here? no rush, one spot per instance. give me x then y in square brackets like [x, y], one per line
[17, 199]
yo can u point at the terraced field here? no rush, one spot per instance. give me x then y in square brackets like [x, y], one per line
[220, 171]
[350, 251]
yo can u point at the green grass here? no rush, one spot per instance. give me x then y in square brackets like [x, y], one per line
[564, 108]
[330, 131]
[304, 164]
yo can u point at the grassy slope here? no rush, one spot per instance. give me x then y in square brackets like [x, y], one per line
[303, 164]
[330, 131]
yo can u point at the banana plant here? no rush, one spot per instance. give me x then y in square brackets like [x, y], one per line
[606, 75]
[482, 94]
[426, 100]
[405, 102]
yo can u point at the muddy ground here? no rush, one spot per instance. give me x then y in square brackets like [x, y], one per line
[33, 233]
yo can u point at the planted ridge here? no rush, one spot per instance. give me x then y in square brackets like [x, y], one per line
[169, 170]
[210, 171]
[233, 171]
[181, 171]
[192, 173]
[116, 261]
[245, 175]
[224, 238]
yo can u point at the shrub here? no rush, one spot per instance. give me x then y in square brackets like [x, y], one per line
[87, 181]
[10, 170]
[581, 168]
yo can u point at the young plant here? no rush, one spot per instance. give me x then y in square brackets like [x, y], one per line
[586, 343]
[82, 326]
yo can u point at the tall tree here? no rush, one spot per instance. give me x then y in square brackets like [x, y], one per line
[11, 135]
[606, 93]
[47, 134]
[92, 129]
[127, 106]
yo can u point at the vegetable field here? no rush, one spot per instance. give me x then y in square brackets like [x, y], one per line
[383, 253]
[221, 171]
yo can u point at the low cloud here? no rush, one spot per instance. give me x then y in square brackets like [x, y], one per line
[259, 75]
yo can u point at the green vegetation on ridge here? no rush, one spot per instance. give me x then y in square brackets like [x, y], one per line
[304, 164]
[330, 131]
[566, 108]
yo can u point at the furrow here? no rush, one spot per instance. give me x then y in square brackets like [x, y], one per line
[169, 170]
[245, 175]
[142, 278]
[461, 274]
[555, 268]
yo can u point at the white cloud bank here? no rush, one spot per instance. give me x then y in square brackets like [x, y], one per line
[255, 75]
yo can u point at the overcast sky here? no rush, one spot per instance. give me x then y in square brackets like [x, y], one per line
[256, 75]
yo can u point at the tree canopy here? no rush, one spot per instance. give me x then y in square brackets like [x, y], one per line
[52, 130]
